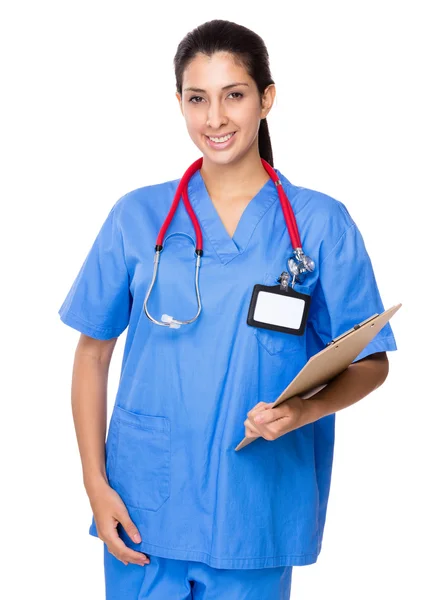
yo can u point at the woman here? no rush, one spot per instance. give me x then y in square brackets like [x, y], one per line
[173, 495]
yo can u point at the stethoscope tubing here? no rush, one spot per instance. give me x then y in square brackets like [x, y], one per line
[288, 214]
[181, 191]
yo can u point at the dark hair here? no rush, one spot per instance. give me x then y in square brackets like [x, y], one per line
[246, 46]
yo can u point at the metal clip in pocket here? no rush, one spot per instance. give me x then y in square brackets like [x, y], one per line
[284, 281]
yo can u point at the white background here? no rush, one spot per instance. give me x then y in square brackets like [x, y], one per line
[89, 113]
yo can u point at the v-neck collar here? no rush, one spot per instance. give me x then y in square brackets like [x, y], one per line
[226, 247]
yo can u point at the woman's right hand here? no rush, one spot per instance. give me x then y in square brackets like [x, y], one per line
[109, 510]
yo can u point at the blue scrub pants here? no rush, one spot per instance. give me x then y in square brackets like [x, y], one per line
[172, 579]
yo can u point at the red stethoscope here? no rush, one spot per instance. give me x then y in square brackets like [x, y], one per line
[298, 263]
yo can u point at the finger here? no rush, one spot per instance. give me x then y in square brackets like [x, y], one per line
[118, 548]
[130, 528]
[269, 416]
[116, 545]
[251, 430]
[251, 427]
[260, 406]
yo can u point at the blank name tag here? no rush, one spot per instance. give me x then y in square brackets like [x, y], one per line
[272, 308]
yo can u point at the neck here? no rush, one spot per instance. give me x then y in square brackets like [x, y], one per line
[233, 179]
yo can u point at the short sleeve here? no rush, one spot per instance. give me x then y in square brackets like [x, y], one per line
[98, 303]
[347, 293]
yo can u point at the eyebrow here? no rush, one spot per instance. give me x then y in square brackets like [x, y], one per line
[225, 87]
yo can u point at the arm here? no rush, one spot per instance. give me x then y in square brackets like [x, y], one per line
[350, 386]
[89, 403]
[346, 293]
[89, 400]
[354, 383]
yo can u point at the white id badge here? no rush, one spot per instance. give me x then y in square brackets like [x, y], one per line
[279, 310]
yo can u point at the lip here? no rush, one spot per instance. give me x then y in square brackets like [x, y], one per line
[221, 145]
[219, 135]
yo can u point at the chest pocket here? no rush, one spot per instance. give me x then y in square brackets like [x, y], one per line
[276, 342]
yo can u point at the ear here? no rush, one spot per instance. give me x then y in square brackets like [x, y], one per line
[179, 102]
[268, 100]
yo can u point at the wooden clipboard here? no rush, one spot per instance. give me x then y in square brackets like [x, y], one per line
[332, 360]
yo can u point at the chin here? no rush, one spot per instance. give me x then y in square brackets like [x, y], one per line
[220, 160]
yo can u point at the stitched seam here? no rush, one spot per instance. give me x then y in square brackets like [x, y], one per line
[260, 219]
[228, 559]
[84, 322]
[121, 237]
[164, 497]
[249, 241]
[339, 240]
[136, 426]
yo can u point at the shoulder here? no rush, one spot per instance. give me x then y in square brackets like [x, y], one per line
[324, 222]
[319, 212]
[317, 203]
[145, 199]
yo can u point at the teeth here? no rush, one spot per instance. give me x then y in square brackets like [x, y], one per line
[222, 139]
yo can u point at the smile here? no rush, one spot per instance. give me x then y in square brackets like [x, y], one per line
[219, 140]
[220, 143]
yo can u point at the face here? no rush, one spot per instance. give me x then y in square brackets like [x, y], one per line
[215, 107]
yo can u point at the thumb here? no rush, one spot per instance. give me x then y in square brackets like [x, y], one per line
[130, 528]
[261, 417]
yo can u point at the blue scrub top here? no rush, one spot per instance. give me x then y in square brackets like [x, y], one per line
[184, 394]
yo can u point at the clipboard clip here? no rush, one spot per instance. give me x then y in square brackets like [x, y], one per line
[354, 328]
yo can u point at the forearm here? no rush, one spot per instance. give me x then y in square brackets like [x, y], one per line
[350, 386]
[89, 399]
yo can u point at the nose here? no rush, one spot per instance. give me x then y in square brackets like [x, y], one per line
[215, 116]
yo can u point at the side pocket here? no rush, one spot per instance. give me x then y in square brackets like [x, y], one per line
[275, 342]
[139, 458]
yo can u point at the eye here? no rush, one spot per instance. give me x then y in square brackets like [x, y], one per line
[193, 98]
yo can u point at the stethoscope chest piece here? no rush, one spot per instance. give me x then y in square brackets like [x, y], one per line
[299, 265]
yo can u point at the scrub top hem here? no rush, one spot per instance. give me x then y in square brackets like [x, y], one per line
[294, 560]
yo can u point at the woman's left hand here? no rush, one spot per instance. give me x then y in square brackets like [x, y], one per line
[270, 423]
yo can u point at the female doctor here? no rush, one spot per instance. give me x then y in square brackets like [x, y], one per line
[181, 513]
